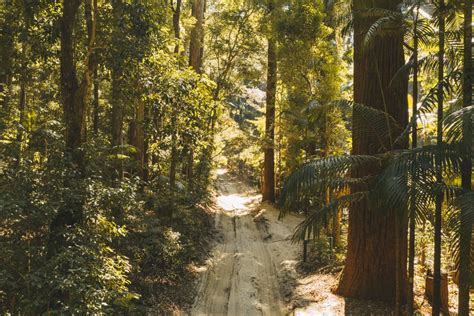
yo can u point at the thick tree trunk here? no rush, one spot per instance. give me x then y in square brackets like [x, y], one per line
[268, 189]
[197, 36]
[466, 228]
[196, 49]
[74, 99]
[176, 24]
[268, 185]
[73, 93]
[371, 262]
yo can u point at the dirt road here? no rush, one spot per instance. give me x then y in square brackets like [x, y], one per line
[247, 274]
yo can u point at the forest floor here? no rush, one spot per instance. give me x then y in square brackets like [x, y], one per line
[253, 267]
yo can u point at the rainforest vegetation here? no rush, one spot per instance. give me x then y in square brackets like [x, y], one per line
[354, 117]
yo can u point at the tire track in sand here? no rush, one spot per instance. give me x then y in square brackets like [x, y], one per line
[241, 278]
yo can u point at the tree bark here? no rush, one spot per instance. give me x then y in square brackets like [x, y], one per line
[92, 15]
[21, 109]
[74, 99]
[371, 262]
[436, 305]
[6, 54]
[466, 227]
[116, 119]
[196, 50]
[268, 187]
[73, 93]
[139, 137]
[95, 104]
[176, 24]
[197, 36]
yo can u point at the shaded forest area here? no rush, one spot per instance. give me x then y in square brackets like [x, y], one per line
[114, 115]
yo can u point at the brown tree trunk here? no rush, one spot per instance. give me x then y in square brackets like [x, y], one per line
[6, 53]
[196, 49]
[95, 104]
[466, 227]
[21, 109]
[117, 100]
[414, 145]
[197, 36]
[73, 93]
[176, 24]
[371, 262]
[139, 137]
[92, 15]
[336, 227]
[174, 149]
[436, 303]
[116, 120]
[268, 187]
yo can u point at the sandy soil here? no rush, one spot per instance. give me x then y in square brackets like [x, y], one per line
[252, 270]
[253, 263]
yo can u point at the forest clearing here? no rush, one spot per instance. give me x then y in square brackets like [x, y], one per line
[236, 157]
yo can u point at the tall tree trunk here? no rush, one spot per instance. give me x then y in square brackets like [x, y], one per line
[92, 16]
[268, 188]
[73, 93]
[176, 24]
[139, 139]
[21, 109]
[414, 144]
[6, 53]
[196, 50]
[95, 104]
[466, 227]
[197, 36]
[371, 260]
[439, 169]
[174, 150]
[74, 98]
[117, 109]
[117, 113]
[174, 114]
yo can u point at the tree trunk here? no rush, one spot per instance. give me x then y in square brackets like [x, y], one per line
[117, 78]
[268, 188]
[21, 109]
[73, 93]
[436, 305]
[174, 149]
[95, 104]
[139, 141]
[6, 53]
[371, 260]
[74, 99]
[196, 49]
[176, 25]
[466, 228]
[414, 144]
[92, 16]
[197, 36]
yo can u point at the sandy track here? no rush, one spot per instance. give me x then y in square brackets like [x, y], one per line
[242, 278]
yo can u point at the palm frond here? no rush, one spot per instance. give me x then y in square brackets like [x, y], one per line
[454, 123]
[312, 224]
